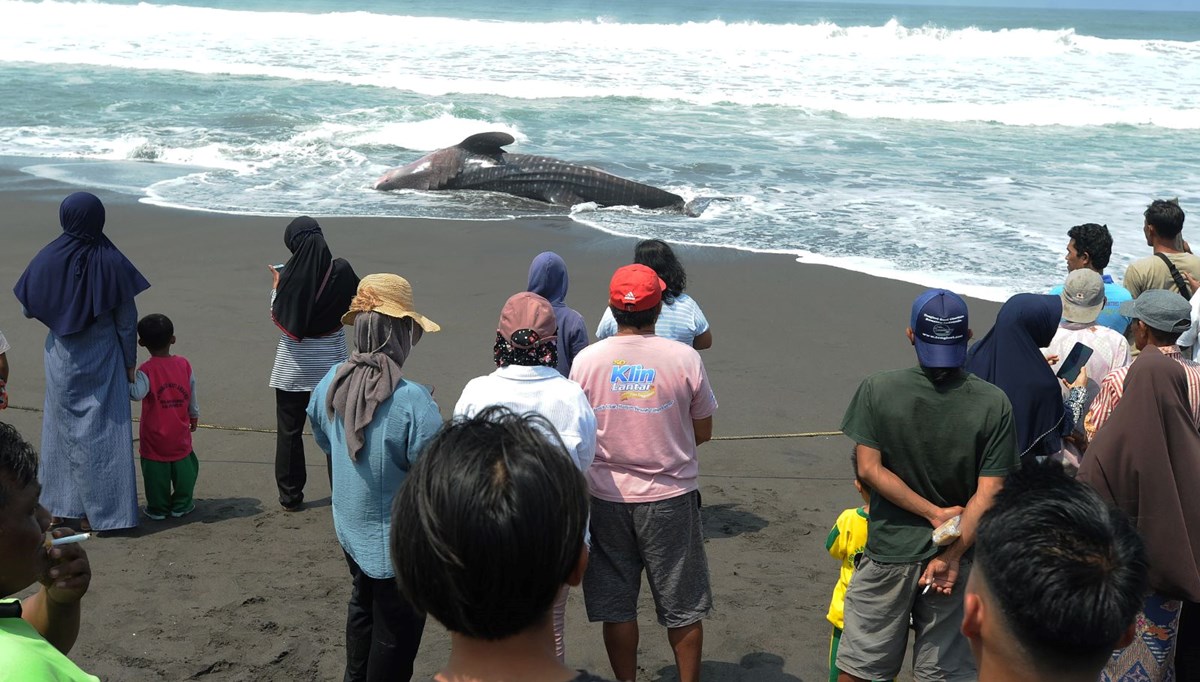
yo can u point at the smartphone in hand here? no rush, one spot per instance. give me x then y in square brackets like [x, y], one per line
[1068, 371]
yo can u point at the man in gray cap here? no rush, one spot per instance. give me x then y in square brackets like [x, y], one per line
[1083, 299]
[1159, 317]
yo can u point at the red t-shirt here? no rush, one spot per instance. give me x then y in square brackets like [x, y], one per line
[165, 433]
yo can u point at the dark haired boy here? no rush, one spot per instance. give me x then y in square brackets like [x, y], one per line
[486, 529]
[1059, 579]
[1164, 233]
[1089, 246]
[653, 407]
[38, 632]
[167, 388]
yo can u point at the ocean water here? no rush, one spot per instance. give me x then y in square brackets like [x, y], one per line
[938, 145]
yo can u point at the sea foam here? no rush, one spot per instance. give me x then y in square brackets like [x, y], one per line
[1020, 76]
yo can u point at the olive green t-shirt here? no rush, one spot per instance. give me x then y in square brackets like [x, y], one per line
[1151, 273]
[937, 439]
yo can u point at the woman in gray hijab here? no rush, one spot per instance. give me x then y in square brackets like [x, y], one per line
[373, 424]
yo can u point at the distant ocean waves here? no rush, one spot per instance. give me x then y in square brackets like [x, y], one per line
[952, 156]
[1019, 76]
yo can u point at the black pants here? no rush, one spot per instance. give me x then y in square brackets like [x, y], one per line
[383, 632]
[1187, 643]
[290, 474]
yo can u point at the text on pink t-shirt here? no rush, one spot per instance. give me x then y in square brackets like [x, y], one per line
[645, 390]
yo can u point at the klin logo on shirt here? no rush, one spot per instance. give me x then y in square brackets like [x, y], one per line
[631, 381]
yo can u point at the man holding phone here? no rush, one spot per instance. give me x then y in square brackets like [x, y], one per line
[1083, 300]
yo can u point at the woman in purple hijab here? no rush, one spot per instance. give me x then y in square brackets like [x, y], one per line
[548, 279]
[82, 287]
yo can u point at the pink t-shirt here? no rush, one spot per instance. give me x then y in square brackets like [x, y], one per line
[645, 390]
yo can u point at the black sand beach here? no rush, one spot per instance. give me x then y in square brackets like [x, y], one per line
[240, 590]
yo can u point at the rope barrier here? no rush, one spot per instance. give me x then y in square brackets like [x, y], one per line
[250, 429]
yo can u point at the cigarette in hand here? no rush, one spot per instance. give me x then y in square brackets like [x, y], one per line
[922, 591]
[68, 540]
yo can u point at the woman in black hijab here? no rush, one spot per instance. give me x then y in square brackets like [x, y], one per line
[307, 303]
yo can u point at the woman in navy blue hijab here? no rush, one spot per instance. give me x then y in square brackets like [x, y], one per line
[1010, 357]
[82, 287]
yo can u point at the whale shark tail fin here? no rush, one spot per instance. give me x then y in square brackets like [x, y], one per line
[696, 207]
[487, 143]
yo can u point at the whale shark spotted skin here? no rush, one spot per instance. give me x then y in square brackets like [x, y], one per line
[480, 163]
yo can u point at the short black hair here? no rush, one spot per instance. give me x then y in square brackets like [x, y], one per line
[489, 524]
[1165, 216]
[1068, 571]
[18, 462]
[1095, 241]
[155, 331]
[658, 256]
[638, 319]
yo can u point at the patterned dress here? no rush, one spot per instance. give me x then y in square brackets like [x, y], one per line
[1151, 655]
[86, 466]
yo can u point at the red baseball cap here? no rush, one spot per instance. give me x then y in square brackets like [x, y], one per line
[634, 288]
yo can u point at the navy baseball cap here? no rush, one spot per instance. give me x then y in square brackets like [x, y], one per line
[940, 330]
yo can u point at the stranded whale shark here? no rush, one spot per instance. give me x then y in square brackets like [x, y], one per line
[480, 163]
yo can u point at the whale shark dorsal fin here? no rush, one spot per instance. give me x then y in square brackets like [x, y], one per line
[487, 143]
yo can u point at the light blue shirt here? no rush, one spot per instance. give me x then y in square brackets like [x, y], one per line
[1109, 317]
[363, 489]
[680, 321]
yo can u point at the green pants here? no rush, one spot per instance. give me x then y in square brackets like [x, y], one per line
[834, 641]
[169, 485]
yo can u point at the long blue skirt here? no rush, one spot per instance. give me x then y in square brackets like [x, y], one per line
[86, 466]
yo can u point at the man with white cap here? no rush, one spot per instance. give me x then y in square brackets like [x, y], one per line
[1159, 317]
[1083, 299]
[933, 442]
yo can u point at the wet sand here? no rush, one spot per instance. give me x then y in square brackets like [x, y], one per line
[240, 590]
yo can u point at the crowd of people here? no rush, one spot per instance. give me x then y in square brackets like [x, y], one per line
[1021, 519]
[1060, 495]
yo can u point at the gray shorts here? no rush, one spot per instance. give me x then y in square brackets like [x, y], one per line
[666, 539]
[879, 602]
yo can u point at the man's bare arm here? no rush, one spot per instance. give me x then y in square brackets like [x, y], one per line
[942, 571]
[703, 428]
[879, 478]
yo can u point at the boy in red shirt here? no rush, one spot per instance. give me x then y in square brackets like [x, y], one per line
[167, 389]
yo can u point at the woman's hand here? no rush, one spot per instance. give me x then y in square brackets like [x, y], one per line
[274, 276]
[1080, 381]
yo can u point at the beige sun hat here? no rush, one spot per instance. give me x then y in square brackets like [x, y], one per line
[389, 295]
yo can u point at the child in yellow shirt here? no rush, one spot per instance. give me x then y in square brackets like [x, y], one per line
[846, 542]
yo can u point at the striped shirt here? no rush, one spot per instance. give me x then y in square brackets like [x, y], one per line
[680, 321]
[300, 365]
[1113, 386]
